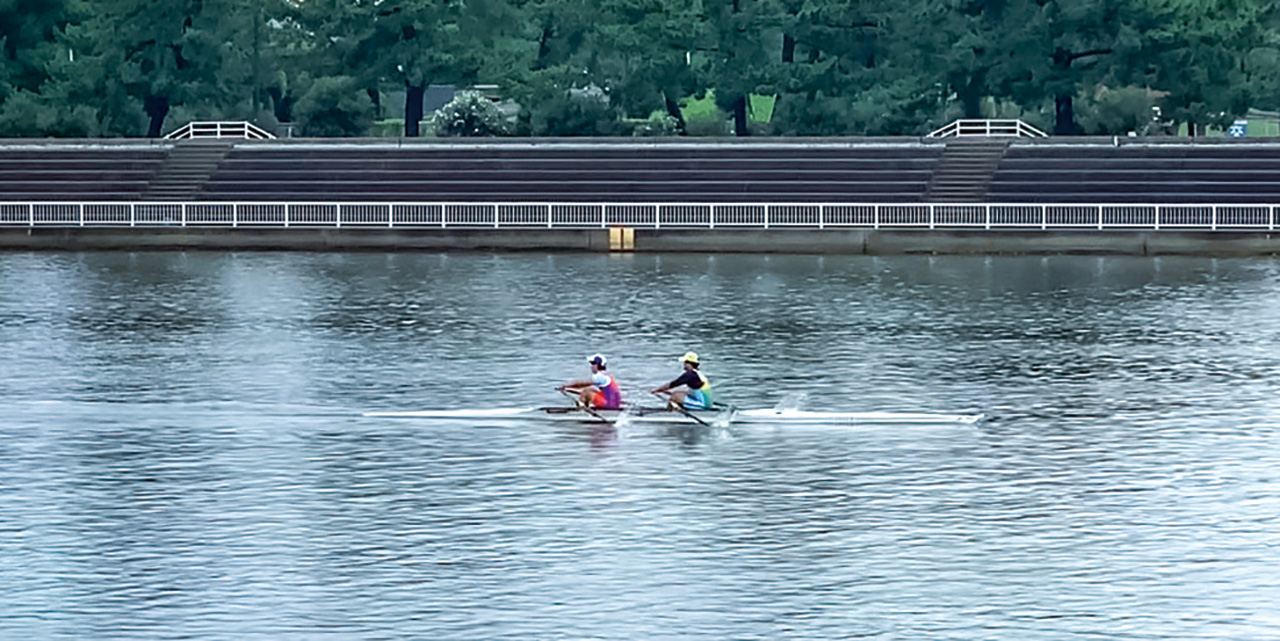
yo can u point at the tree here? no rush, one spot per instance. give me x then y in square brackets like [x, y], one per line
[28, 43]
[1201, 51]
[644, 51]
[854, 68]
[743, 53]
[166, 52]
[333, 106]
[470, 114]
[420, 42]
[28, 34]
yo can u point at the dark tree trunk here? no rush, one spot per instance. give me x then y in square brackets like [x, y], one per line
[673, 110]
[971, 94]
[1064, 115]
[157, 108]
[788, 48]
[740, 127]
[1064, 101]
[376, 98]
[282, 104]
[413, 109]
[544, 50]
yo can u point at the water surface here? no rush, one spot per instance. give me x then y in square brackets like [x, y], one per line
[183, 453]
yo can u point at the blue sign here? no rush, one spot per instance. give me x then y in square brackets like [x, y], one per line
[1238, 129]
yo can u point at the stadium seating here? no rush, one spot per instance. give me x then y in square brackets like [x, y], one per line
[567, 172]
[44, 172]
[1166, 172]
[687, 171]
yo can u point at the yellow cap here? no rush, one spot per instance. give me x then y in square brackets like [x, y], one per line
[689, 357]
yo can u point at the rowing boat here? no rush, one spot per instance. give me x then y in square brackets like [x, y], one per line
[707, 417]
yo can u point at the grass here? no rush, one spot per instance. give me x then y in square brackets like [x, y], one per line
[1258, 128]
[695, 109]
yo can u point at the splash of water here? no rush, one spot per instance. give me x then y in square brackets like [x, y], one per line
[791, 402]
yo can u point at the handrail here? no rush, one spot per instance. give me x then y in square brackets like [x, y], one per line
[220, 129]
[999, 128]
[688, 216]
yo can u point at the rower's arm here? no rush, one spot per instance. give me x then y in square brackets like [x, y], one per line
[666, 388]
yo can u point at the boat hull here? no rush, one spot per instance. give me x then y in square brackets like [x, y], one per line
[711, 417]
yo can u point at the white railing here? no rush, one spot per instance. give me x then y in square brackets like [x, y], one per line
[998, 128]
[1205, 217]
[220, 130]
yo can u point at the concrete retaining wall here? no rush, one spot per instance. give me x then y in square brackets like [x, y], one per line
[803, 241]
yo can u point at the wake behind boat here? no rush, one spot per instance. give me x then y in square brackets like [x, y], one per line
[722, 416]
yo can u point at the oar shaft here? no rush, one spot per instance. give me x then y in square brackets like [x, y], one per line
[682, 410]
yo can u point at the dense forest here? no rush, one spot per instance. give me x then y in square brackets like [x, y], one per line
[636, 67]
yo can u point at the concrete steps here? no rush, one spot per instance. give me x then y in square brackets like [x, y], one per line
[187, 167]
[965, 170]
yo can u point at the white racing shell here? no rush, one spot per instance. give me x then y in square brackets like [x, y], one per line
[710, 417]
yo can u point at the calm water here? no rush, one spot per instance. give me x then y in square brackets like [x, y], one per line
[183, 454]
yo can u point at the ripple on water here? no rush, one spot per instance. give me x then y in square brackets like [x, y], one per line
[184, 452]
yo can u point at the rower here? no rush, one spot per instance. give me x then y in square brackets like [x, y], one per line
[698, 394]
[601, 391]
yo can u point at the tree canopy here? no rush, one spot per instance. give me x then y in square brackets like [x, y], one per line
[616, 67]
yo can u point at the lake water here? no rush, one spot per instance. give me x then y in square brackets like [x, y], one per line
[183, 452]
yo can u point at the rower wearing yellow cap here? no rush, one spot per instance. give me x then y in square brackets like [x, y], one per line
[698, 394]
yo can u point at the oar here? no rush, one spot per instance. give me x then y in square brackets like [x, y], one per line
[684, 411]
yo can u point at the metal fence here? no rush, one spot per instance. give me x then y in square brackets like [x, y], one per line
[643, 215]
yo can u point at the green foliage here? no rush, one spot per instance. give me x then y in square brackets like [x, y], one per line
[334, 107]
[659, 124]
[559, 105]
[469, 115]
[583, 67]
[26, 114]
[1117, 111]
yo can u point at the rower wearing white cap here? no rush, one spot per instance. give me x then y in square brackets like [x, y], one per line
[697, 396]
[601, 391]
